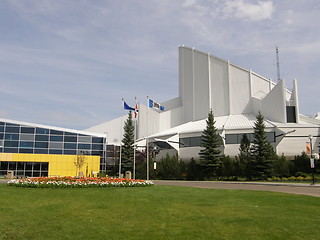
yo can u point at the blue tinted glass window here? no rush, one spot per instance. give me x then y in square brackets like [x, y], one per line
[11, 136]
[84, 146]
[55, 151]
[55, 132]
[42, 131]
[97, 140]
[70, 152]
[27, 130]
[26, 144]
[1, 128]
[70, 134]
[12, 125]
[42, 138]
[1, 123]
[11, 143]
[97, 146]
[70, 139]
[41, 151]
[56, 138]
[70, 145]
[98, 153]
[12, 129]
[1, 135]
[41, 145]
[25, 150]
[10, 150]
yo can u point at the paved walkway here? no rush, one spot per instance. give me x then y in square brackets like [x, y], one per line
[294, 188]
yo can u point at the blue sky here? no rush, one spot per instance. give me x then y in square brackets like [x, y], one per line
[68, 63]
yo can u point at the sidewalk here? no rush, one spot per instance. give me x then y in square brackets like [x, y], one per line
[292, 188]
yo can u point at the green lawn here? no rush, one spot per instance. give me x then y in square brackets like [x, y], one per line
[159, 212]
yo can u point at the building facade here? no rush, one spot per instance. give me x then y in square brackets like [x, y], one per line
[236, 96]
[33, 150]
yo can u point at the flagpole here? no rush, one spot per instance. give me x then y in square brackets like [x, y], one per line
[147, 139]
[121, 138]
[134, 140]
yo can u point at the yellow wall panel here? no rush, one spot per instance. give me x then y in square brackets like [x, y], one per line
[59, 165]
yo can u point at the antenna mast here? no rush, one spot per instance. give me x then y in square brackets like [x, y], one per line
[278, 63]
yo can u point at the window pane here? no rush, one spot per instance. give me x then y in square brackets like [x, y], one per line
[55, 132]
[44, 166]
[195, 141]
[41, 151]
[1, 128]
[26, 144]
[26, 150]
[84, 146]
[20, 166]
[55, 151]
[232, 139]
[70, 145]
[97, 140]
[70, 134]
[41, 145]
[36, 166]
[11, 136]
[270, 136]
[70, 152]
[11, 143]
[43, 138]
[12, 129]
[58, 145]
[12, 125]
[12, 166]
[70, 139]
[42, 131]
[27, 130]
[56, 138]
[10, 150]
[4, 166]
[184, 142]
[97, 146]
[85, 139]
[98, 153]
[27, 137]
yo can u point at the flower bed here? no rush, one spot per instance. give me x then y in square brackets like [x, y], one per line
[76, 182]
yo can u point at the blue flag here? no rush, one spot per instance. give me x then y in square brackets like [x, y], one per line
[127, 107]
[153, 104]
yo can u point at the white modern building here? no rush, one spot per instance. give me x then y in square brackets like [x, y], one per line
[236, 95]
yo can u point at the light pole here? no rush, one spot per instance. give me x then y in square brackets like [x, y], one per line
[311, 159]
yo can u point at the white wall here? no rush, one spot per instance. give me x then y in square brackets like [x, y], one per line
[219, 86]
[201, 86]
[240, 93]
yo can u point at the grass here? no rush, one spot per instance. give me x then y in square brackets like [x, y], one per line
[159, 212]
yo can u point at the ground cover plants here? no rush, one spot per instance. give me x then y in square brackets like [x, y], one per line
[158, 212]
[77, 182]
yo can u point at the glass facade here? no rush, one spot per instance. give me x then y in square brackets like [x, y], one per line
[22, 169]
[17, 138]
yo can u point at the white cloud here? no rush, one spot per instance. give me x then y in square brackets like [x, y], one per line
[242, 9]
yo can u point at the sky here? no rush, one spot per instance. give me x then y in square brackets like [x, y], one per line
[68, 63]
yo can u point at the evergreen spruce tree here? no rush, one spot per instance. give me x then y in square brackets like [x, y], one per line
[210, 158]
[261, 151]
[244, 156]
[127, 147]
